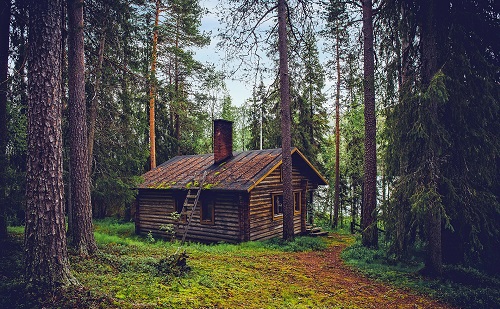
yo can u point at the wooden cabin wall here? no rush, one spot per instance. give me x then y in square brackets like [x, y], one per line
[153, 210]
[155, 206]
[262, 223]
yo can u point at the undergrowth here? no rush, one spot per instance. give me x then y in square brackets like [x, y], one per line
[298, 244]
[463, 287]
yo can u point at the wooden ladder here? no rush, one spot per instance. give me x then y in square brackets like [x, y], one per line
[189, 206]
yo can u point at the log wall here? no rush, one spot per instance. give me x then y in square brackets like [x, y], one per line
[155, 206]
[239, 216]
[263, 224]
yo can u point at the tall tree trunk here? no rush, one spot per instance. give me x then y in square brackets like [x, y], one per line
[177, 125]
[428, 38]
[46, 257]
[4, 70]
[369, 215]
[336, 202]
[152, 91]
[288, 229]
[95, 99]
[82, 236]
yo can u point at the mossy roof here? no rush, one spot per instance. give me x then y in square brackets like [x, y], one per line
[241, 172]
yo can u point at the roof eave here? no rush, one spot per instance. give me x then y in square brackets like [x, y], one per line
[295, 149]
[277, 164]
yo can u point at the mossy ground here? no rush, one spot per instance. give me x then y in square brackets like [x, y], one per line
[268, 274]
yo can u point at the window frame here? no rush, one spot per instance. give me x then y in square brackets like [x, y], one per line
[179, 200]
[278, 215]
[297, 197]
[206, 201]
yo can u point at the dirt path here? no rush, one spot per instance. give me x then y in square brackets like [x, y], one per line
[334, 278]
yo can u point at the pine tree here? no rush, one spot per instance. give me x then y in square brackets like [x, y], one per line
[288, 229]
[4, 68]
[117, 46]
[82, 234]
[179, 32]
[152, 88]
[368, 214]
[336, 31]
[46, 257]
[309, 115]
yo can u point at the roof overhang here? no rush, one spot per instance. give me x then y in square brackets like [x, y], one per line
[295, 150]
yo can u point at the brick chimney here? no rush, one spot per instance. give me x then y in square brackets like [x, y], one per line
[223, 140]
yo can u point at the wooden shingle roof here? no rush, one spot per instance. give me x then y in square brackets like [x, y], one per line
[242, 172]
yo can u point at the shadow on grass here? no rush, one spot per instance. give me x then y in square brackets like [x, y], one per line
[459, 286]
[12, 292]
[14, 295]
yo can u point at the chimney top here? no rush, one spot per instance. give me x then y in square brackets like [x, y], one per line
[223, 140]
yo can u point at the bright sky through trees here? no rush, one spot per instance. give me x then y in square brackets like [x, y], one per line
[238, 88]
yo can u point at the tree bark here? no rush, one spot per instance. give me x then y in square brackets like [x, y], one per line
[177, 105]
[336, 203]
[429, 42]
[46, 257]
[369, 215]
[288, 230]
[4, 70]
[152, 91]
[82, 236]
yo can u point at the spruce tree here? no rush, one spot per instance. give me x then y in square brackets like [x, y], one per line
[446, 116]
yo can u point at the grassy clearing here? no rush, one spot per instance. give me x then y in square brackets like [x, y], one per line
[126, 273]
[223, 275]
[129, 272]
[462, 287]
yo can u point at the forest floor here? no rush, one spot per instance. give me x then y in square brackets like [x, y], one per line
[349, 288]
[127, 273]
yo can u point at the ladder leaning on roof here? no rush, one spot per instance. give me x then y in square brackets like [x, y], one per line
[190, 204]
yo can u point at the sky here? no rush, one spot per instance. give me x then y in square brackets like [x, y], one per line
[238, 90]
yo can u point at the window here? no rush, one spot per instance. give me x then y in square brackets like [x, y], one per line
[277, 205]
[296, 202]
[207, 211]
[277, 200]
[179, 204]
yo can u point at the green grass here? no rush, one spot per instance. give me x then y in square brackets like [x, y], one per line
[17, 230]
[132, 272]
[222, 274]
[463, 287]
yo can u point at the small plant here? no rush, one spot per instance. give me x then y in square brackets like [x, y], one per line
[174, 216]
[150, 238]
[169, 228]
[174, 265]
[208, 186]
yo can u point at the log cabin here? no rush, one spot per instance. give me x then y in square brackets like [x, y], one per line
[241, 198]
